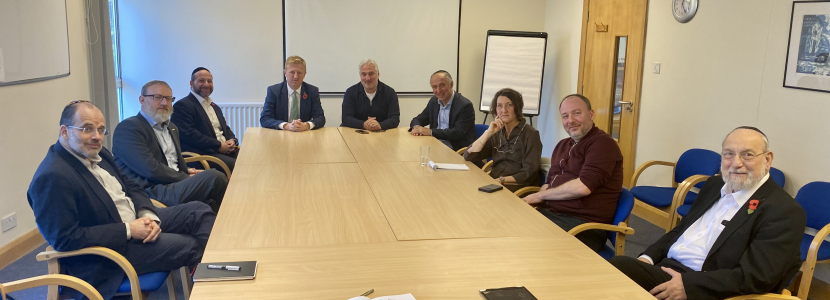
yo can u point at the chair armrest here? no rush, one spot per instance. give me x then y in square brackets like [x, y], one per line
[53, 279]
[461, 151]
[607, 227]
[187, 154]
[680, 195]
[207, 158]
[809, 265]
[526, 191]
[487, 167]
[158, 204]
[100, 251]
[644, 166]
[785, 294]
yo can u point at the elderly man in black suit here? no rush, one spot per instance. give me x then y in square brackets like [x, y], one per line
[450, 116]
[146, 148]
[202, 124]
[741, 236]
[80, 200]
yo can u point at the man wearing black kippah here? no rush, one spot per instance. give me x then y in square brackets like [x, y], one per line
[201, 123]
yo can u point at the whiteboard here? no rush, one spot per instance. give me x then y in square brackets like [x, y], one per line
[409, 40]
[514, 60]
[34, 42]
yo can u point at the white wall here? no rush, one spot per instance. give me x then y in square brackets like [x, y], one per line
[29, 118]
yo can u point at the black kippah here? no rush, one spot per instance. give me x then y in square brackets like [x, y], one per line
[199, 69]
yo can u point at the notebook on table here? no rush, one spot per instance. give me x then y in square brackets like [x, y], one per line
[219, 271]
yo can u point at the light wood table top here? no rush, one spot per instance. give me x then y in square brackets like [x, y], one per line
[422, 203]
[297, 205]
[270, 146]
[396, 145]
[558, 267]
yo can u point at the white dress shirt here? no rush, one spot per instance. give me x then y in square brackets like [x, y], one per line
[214, 120]
[693, 246]
[291, 101]
[125, 206]
[165, 141]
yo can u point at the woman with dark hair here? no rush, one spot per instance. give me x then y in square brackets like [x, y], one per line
[514, 145]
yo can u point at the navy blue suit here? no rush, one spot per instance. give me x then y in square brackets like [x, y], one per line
[74, 211]
[197, 133]
[275, 111]
[462, 130]
[384, 107]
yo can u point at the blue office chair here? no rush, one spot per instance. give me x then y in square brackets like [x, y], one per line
[480, 129]
[658, 205]
[814, 197]
[616, 233]
[774, 174]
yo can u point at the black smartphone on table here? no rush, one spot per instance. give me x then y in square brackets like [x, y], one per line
[491, 188]
[507, 293]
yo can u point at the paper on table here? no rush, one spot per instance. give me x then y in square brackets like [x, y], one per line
[454, 167]
[395, 297]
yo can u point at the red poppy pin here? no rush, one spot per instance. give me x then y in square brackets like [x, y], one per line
[753, 204]
[212, 104]
[305, 96]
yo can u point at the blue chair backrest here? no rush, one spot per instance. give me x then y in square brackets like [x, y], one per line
[696, 161]
[480, 129]
[814, 197]
[777, 176]
[624, 206]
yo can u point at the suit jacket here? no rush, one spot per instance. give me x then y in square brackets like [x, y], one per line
[276, 109]
[139, 155]
[197, 134]
[462, 130]
[756, 253]
[74, 211]
[384, 107]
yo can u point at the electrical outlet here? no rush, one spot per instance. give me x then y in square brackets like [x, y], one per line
[9, 222]
[656, 69]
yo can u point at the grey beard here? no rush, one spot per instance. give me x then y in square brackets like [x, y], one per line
[741, 185]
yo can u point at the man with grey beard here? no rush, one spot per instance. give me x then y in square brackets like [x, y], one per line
[146, 148]
[741, 236]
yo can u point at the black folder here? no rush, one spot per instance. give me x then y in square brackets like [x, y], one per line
[247, 271]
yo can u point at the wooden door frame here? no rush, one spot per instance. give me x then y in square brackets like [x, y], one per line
[637, 84]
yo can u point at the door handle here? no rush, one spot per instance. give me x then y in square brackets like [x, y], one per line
[629, 105]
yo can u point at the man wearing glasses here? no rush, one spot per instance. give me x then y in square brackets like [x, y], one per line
[585, 177]
[146, 148]
[203, 127]
[80, 199]
[741, 236]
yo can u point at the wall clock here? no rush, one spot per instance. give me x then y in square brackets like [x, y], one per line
[684, 10]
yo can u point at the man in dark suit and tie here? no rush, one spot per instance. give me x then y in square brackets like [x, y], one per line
[80, 199]
[146, 148]
[201, 122]
[370, 104]
[293, 105]
[741, 236]
[450, 116]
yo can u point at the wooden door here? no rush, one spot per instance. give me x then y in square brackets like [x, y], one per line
[611, 69]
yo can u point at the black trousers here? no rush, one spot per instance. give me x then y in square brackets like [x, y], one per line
[646, 275]
[207, 186]
[594, 239]
[229, 159]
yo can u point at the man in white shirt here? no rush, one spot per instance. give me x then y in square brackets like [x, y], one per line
[80, 199]
[293, 104]
[201, 122]
[741, 236]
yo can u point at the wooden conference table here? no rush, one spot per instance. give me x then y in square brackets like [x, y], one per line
[331, 213]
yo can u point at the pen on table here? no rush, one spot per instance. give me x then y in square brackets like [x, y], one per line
[368, 292]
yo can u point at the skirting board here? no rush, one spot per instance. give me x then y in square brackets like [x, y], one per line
[20, 246]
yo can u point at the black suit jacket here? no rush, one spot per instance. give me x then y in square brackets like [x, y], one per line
[197, 133]
[462, 130]
[275, 110]
[138, 153]
[756, 253]
[74, 211]
[384, 107]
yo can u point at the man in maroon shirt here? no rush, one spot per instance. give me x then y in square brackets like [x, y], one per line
[585, 177]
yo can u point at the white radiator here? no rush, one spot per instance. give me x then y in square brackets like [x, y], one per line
[241, 115]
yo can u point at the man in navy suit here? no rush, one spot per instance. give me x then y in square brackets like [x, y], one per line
[146, 148]
[450, 116]
[370, 104]
[202, 124]
[293, 105]
[81, 200]
[741, 236]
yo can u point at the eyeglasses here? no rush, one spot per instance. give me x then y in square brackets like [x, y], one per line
[745, 156]
[87, 129]
[498, 148]
[158, 98]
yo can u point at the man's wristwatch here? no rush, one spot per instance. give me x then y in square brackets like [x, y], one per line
[501, 179]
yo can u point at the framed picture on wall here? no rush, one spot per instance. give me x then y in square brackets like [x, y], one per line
[808, 53]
